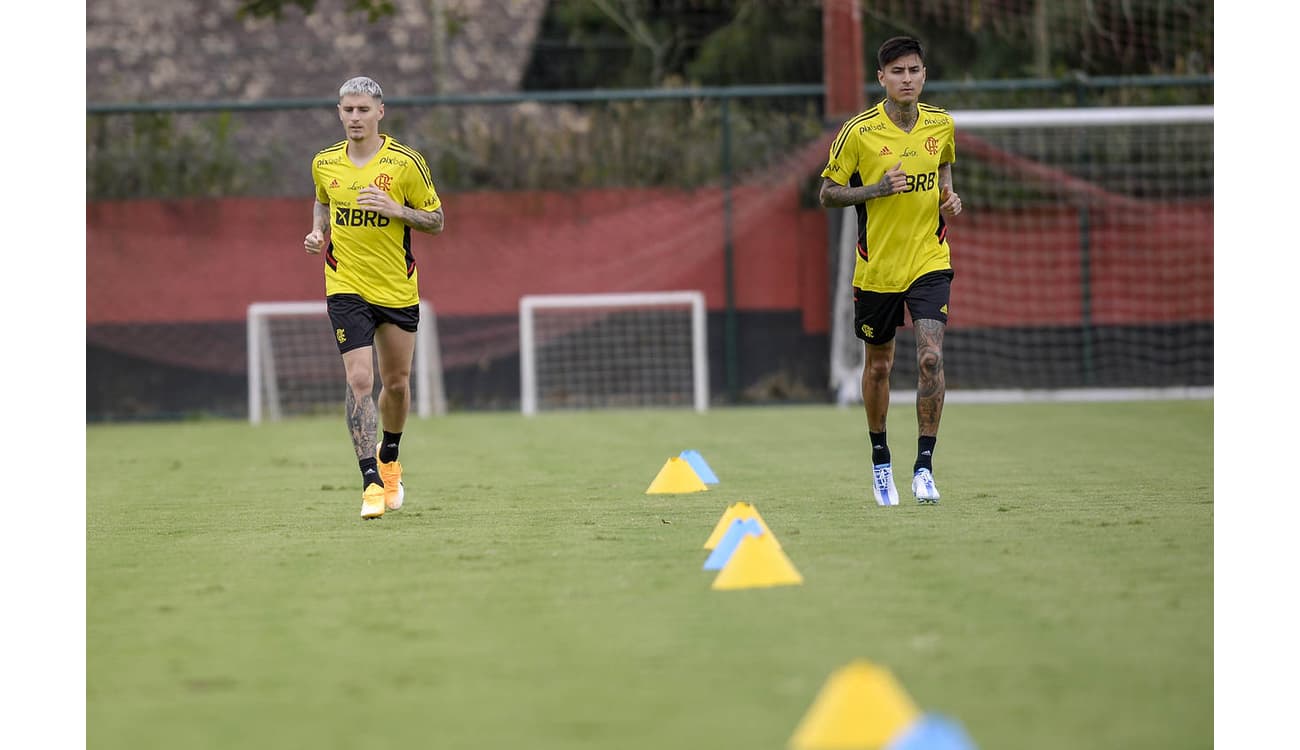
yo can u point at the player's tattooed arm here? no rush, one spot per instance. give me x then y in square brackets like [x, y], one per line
[314, 242]
[949, 201]
[320, 217]
[383, 204]
[835, 195]
[423, 221]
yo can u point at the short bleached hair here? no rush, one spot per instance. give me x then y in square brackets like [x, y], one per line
[361, 85]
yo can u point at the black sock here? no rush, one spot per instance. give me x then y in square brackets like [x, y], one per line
[879, 448]
[388, 448]
[924, 453]
[369, 473]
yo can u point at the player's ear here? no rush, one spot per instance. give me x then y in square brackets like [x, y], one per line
[381, 110]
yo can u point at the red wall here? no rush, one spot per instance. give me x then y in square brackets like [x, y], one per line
[207, 260]
[1022, 268]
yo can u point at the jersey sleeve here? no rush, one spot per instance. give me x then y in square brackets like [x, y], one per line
[418, 188]
[321, 195]
[843, 160]
[949, 154]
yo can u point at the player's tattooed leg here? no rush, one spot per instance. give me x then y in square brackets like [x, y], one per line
[930, 381]
[363, 423]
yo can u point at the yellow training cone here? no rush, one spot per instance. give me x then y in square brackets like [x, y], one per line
[736, 510]
[861, 707]
[676, 477]
[757, 562]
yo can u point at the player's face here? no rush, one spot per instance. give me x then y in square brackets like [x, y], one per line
[360, 115]
[903, 79]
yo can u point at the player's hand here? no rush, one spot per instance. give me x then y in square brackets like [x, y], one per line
[314, 242]
[378, 201]
[894, 181]
[949, 202]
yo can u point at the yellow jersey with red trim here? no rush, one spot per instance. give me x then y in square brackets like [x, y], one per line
[901, 237]
[369, 254]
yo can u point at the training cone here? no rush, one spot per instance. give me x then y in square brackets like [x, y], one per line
[758, 562]
[932, 732]
[740, 528]
[861, 706]
[701, 466]
[676, 477]
[736, 510]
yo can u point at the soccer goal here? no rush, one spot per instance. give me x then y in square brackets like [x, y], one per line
[294, 368]
[583, 351]
[1084, 260]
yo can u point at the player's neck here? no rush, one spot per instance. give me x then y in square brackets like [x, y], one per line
[361, 150]
[903, 115]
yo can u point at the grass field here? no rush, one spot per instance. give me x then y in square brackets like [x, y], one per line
[531, 595]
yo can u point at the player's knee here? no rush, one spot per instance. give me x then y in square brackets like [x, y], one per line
[930, 363]
[878, 369]
[398, 386]
[362, 384]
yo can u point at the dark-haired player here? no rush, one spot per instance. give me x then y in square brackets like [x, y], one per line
[893, 163]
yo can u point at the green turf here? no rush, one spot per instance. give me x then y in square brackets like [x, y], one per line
[531, 595]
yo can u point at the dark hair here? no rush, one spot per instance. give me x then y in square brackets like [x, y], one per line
[896, 47]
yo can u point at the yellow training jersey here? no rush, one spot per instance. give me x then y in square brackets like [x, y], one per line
[369, 254]
[900, 236]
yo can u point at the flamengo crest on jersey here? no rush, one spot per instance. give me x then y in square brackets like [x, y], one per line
[901, 237]
[369, 254]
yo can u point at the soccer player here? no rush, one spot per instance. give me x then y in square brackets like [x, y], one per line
[893, 163]
[371, 191]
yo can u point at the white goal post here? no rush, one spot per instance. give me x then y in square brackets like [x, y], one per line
[294, 365]
[612, 350]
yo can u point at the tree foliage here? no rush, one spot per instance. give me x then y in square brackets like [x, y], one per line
[374, 9]
[648, 43]
[585, 44]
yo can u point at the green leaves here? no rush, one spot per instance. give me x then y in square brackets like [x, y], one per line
[374, 9]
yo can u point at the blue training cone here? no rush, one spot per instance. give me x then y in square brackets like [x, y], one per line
[739, 529]
[932, 732]
[701, 467]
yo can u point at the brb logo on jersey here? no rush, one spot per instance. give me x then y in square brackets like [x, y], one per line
[384, 181]
[358, 217]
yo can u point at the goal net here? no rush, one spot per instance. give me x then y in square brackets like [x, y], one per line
[294, 367]
[1083, 259]
[583, 351]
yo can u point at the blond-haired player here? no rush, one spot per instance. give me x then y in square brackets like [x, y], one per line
[371, 191]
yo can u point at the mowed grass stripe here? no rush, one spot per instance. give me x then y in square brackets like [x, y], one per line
[531, 594]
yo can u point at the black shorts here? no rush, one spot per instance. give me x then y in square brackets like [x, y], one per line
[355, 320]
[877, 315]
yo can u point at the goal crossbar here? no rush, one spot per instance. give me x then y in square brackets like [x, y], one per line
[1080, 117]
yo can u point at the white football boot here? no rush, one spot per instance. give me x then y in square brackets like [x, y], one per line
[882, 485]
[923, 487]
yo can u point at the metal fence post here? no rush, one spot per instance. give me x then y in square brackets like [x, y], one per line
[729, 337]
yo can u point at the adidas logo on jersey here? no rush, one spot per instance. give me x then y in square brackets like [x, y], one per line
[885, 151]
[334, 183]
